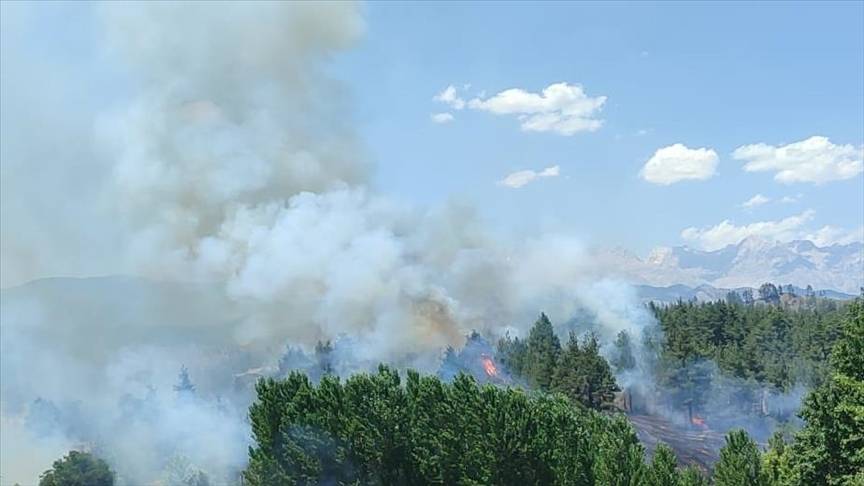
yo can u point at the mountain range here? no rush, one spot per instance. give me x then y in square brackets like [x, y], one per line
[750, 263]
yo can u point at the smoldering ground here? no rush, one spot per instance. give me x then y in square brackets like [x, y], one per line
[222, 175]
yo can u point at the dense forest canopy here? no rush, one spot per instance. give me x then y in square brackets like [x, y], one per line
[557, 425]
[372, 429]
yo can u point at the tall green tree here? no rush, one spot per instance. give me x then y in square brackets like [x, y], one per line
[740, 463]
[511, 352]
[623, 358]
[542, 352]
[583, 375]
[619, 455]
[830, 448]
[663, 470]
[775, 461]
[323, 358]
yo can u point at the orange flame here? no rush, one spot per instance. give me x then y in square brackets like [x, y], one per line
[697, 420]
[489, 366]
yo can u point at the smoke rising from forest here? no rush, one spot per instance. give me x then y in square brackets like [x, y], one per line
[233, 167]
[234, 164]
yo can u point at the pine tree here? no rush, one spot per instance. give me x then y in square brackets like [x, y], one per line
[542, 353]
[691, 476]
[600, 386]
[830, 448]
[569, 377]
[663, 469]
[184, 386]
[618, 457]
[623, 359]
[740, 463]
[769, 293]
[775, 461]
[323, 359]
[511, 353]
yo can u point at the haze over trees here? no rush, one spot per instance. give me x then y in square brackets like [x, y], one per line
[761, 348]
[78, 469]
[375, 429]
[392, 428]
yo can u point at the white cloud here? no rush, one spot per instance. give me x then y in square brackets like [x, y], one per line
[756, 200]
[832, 235]
[441, 117]
[560, 108]
[677, 162]
[450, 98]
[642, 132]
[784, 230]
[523, 177]
[727, 233]
[790, 199]
[814, 160]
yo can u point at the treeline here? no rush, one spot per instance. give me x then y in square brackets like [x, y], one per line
[785, 296]
[770, 345]
[373, 429]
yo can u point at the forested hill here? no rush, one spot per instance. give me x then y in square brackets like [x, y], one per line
[373, 429]
[776, 340]
[388, 427]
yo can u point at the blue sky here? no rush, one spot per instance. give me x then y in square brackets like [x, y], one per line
[712, 76]
[707, 75]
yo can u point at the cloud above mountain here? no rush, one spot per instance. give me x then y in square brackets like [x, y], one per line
[816, 160]
[787, 229]
[832, 235]
[728, 233]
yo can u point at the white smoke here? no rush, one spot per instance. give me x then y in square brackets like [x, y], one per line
[232, 164]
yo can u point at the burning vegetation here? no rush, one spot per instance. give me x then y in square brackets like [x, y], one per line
[489, 366]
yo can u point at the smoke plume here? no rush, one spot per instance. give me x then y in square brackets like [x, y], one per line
[222, 176]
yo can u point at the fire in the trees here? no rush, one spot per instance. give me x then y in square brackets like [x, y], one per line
[489, 366]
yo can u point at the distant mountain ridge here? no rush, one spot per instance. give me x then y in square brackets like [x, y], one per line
[749, 263]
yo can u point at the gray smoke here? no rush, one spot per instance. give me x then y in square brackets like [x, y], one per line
[224, 170]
